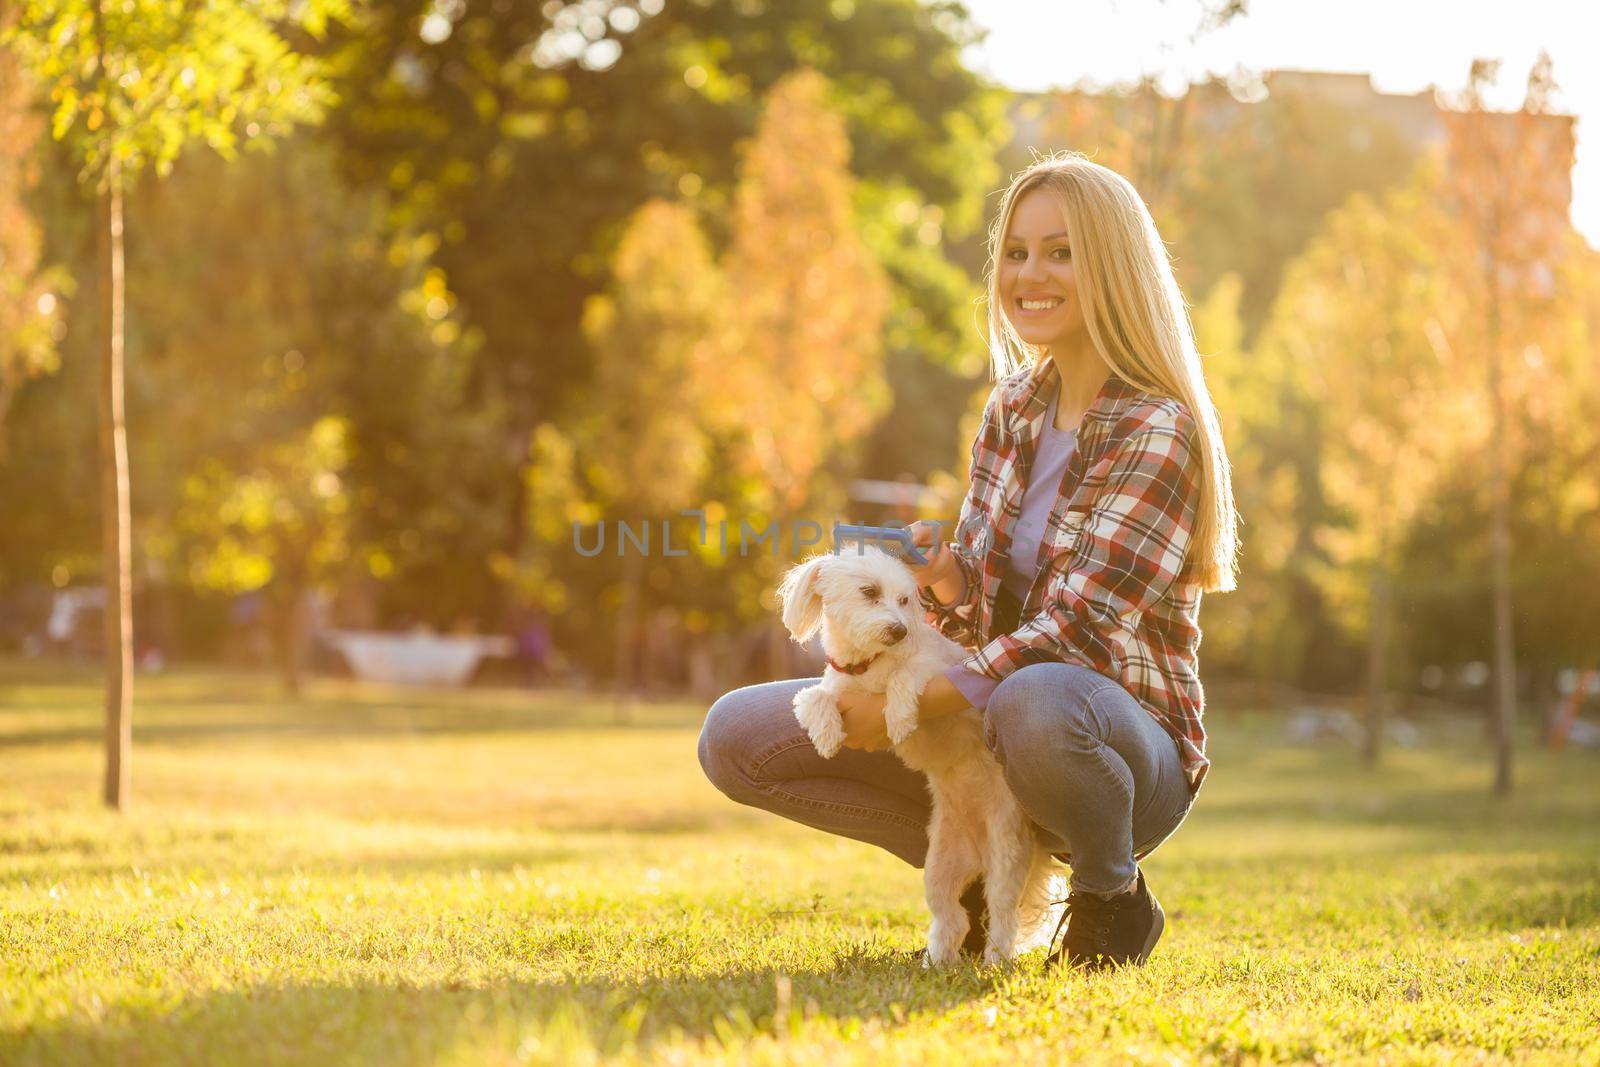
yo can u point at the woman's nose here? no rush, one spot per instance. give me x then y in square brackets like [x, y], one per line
[1032, 268]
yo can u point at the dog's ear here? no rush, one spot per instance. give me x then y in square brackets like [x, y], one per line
[802, 607]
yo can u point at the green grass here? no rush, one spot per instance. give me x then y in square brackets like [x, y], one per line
[494, 877]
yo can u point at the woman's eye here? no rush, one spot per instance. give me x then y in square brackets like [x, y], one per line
[1066, 253]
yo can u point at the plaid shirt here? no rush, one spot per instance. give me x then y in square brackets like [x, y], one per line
[1112, 592]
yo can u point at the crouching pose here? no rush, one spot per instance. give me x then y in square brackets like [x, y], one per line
[1099, 511]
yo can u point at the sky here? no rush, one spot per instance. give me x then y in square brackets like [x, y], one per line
[1405, 45]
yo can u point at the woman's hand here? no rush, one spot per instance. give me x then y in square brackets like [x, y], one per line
[864, 727]
[941, 575]
[941, 565]
[862, 713]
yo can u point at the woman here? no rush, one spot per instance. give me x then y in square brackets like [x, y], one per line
[1099, 511]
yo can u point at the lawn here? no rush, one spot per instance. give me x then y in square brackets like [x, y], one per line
[398, 877]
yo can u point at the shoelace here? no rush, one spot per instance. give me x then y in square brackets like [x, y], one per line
[1098, 913]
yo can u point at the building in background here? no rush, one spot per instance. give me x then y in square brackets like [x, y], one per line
[1419, 118]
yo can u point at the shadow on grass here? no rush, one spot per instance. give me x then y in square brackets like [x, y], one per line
[374, 864]
[1449, 812]
[63, 709]
[216, 715]
[403, 1024]
[388, 724]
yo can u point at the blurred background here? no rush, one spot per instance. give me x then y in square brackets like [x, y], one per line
[451, 357]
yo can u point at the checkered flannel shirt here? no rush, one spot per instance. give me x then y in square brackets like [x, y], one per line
[1113, 592]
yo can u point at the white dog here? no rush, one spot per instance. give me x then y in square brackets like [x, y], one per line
[877, 641]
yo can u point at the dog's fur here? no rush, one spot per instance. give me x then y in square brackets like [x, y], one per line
[977, 827]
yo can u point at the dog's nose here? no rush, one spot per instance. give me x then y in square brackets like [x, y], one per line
[897, 631]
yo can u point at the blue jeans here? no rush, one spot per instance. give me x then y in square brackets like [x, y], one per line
[1094, 770]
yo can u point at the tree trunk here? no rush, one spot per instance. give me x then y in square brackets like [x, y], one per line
[117, 546]
[702, 668]
[507, 604]
[777, 650]
[291, 628]
[623, 679]
[1377, 666]
[1504, 704]
[294, 623]
[1505, 664]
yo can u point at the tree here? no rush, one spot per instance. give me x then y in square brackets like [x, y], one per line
[1361, 314]
[525, 135]
[306, 369]
[737, 389]
[653, 334]
[803, 348]
[1269, 177]
[1552, 445]
[30, 323]
[1510, 180]
[804, 345]
[132, 84]
[1261, 402]
[282, 524]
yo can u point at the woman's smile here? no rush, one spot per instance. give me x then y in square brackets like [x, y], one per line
[1036, 306]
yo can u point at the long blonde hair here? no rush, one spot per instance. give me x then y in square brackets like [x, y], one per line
[1137, 321]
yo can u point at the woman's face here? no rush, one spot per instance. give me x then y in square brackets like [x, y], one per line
[1037, 285]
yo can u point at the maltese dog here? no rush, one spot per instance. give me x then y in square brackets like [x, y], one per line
[877, 641]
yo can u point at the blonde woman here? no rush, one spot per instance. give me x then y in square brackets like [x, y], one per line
[1100, 509]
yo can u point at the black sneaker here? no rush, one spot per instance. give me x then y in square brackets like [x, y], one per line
[1109, 933]
[977, 924]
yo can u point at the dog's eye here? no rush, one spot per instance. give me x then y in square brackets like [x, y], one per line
[904, 601]
[870, 592]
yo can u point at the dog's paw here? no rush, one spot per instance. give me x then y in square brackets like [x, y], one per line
[995, 955]
[944, 944]
[819, 716]
[827, 741]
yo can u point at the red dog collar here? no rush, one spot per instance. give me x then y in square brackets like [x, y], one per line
[854, 668]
